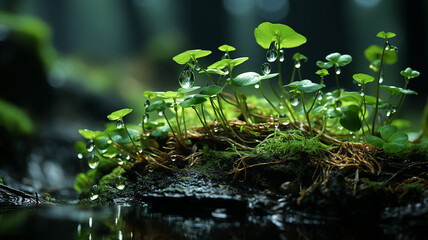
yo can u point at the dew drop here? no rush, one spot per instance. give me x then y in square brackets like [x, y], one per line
[320, 96]
[391, 111]
[195, 66]
[160, 114]
[297, 64]
[90, 146]
[146, 118]
[281, 106]
[281, 55]
[79, 156]
[186, 79]
[109, 141]
[294, 100]
[338, 71]
[173, 158]
[381, 79]
[271, 55]
[362, 93]
[150, 169]
[93, 161]
[94, 192]
[226, 70]
[119, 124]
[119, 183]
[147, 104]
[387, 46]
[256, 86]
[225, 56]
[273, 46]
[266, 68]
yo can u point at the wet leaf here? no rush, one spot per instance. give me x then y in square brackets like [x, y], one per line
[363, 78]
[284, 35]
[157, 106]
[246, 79]
[350, 119]
[210, 90]
[187, 90]
[296, 84]
[268, 76]
[230, 63]
[188, 55]
[324, 65]
[189, 102]
[322, 72]
[387, 131]
[375, 141]
[397, 90]
[88, 134]
[374, 53]
[310, 87]
[299, 56]
[119, 114]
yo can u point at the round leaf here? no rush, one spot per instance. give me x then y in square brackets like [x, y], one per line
[187, 90]
[387, 131]
[210, 90]
[296, 84]
[150, 94]
[375, 141]
[299, 56]
[268, 76]
[188, 55]
[333, 57]
[188, 102]
[409, 73]
[363, 78]
[324, 65]
[397, 90]
[350, 119]
[310, 87]
[226, 48]
[399, 137]
[119, 114]
[284, 35]
[382, 34]
[88, 134]
[344, 60]
[246, 79]
[393, 147]
[157, 106]
[374, 52]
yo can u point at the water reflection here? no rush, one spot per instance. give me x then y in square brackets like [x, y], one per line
[138, 222]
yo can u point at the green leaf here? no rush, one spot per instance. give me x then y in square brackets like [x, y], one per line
[189, 102]
[160, 132]
[333, 57]
[80, 147]
[322, 72]
[226, 48]
[397, 90]
[171, 94]
[150, 94]
[227, 63]
[363, 78]
[375, 141]
[333, 113]
[409, 73]
[214, 71]
[374, 53]
[284, 35]
[344, 60]
[384, 35]
[101, 142]
[387, 131]
[188, 55]
[210, 90]
[299, 56]
[268, 76]
[187, 90]
[120, 136]
[350, 119]
[88, 134]
[399, 137]
[393, 147]
[119, 114]
[157, 106]
[324, 65]
[310, 87]
[297, 84]
[246, 79]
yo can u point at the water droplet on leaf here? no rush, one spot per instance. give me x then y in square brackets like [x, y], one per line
[90, 146]
[186, 79]
[266, 68]
[271, 55]
[119, 183]
[273, 46]
[256, 86]
[93, 161]
[79, 156]
[281, 55]
[119, 124]
[338, 71]
[294, 100]
[160, 114]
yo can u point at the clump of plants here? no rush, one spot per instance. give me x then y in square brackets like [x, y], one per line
[339, 128]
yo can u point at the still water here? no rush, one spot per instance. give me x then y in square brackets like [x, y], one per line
[138, 222]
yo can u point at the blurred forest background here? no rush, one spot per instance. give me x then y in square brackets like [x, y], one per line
[66, 64]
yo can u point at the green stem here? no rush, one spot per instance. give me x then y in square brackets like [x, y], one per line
[377, 88]
[306, 113]
[184, 123]
[364, 108]
[270, 103]
[209, 75]
[300, 75]
[293, 74]
[400, 103]
[337, 79]
[203, 124]
[177, 120]
[170, 127]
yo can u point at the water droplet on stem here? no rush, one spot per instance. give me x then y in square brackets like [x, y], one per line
[281, 55]
[271, 55]
[186, 79]
[119, 124]
[90, 146]
[266, 68]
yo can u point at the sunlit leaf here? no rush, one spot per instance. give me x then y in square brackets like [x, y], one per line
[363, 78]
[382, 34]
[324, 65]
[119, 114]
[157, 106]
[210, 90]
[374, 53]
[190, 102]
[284, 35]
[226, 48]
[246, 79]
[350, 119]
[397, 90]
[188, 55]
[409, 73]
